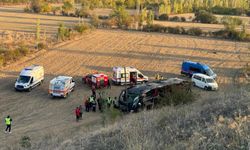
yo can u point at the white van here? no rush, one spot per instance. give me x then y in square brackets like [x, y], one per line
[204, 81]
[131, 73]
[61, 86]
[29, 78]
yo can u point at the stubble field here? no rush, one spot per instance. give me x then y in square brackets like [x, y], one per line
[38, 116]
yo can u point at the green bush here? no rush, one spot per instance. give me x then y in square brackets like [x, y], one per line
[195, 31]
[41, 46]
[26, 9]
[81, 28]
[175, 18]
[205, 17]
[183, 19]
[82, 13]
[46, 7]
[94, 21]
[163, 17]
[176, 30]
[177, 96]
[25, 142]
[227, 11]
[36, 5]
[63, 32]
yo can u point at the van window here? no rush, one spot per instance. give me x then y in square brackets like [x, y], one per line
[203, 80]
[31, 81]
[210, 80]
[193, 69]
[140, 75]
[123, 75]
[197, 77]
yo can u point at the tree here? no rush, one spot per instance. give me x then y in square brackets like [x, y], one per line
[121, 15]
[150, 18]
[36, 5]
[67, 7]
[205, 17]
[231, 23]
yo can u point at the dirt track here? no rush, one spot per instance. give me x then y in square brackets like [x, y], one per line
[36, 115]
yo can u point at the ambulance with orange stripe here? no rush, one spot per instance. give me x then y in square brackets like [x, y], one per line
[122, 75]
[61, 86]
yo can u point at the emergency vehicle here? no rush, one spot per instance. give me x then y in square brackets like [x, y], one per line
[61, 86]
[29, 78]
[98, 80]
[122, 75]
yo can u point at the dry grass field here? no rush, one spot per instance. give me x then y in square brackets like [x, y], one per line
[40, 117]
[12, 18]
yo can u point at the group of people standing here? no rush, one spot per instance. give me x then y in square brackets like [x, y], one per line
[91, 103]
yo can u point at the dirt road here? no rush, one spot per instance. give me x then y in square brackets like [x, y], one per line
[37, 116]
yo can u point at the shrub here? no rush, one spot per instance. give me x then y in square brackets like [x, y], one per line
[195, 31]
[81, 28]
[103, 17]
[183, 19]
[205, 17]
[163, 17]
[155, 28]
[95, 21]
[41, 46]
[63, 32]
[176, 30]
[231, 23]
[55, 10]
[83, 13]
[177, 96]
[175, 18]
[26, 9]
[227, 11]
[36, 5]
[248, 13]
[25, 142]
[46, 7]
[67, 7]
[24, 50]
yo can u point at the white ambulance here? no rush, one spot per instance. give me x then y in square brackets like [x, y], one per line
[131, 74]
[29, 78]
[61, 86]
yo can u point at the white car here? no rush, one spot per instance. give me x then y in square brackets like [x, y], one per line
[204, 81]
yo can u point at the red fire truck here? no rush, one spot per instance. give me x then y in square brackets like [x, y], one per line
[98, 80]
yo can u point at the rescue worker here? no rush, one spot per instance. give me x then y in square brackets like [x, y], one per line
[81, 111]
[99, 103]
[109, 84]
[8, 121]
[77, 113]
[109, 102]
[92, 103]
[87, 105]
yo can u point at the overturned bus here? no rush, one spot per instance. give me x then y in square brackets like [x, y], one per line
[146, 95]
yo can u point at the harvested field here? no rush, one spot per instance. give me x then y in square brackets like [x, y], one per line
[38, 116]
[13, 18]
